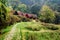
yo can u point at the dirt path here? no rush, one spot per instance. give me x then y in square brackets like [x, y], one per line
[10, 35]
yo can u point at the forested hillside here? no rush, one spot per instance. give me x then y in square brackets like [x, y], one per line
[54, 4]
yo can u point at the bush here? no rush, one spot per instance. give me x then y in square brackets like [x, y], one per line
[35, 27]
[42, 35]
[47, 15]
[14, 19]
[4, 16]
[51, 26]
[57, 20]
[30, 36]
[24, 19]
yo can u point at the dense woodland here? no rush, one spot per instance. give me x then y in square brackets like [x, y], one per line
[35, 7]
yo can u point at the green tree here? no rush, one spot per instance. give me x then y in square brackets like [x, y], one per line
[47, 15]
[54, 4]
[22, 7]
[35, 9]
[4, 2]
[57, 20]
[4, 16]
[13, 3]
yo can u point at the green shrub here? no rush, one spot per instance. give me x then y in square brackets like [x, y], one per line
[4, 2]
[24, 19]
[30, 36]
[51, 26]
[5, 30]
[35, 27]
[14, 19]
[4, 16]
[47, 15]
[42, 35]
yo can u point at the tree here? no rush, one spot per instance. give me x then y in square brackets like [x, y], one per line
[54, 4]
[57, 20]
[47, 15]
[35, 9]
[13, 3]
[4, 2]
[23, 8]
[4, 16]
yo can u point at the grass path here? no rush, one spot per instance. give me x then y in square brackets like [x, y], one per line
[10, 35]
[14, 34]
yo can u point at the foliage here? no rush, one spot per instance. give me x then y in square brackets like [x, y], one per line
[47, 15]
[14, 19]
[26, 34]
[24, 19]
[34, 28]
[5, 30]
[4, 2]
[54, 4]
[4, 16]
[57, 20]
[35, 9]
[30, 36]
[50, 26]
[22, 7]
[42, 35]
[13, 3]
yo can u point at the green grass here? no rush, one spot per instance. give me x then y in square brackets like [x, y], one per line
[42, 36]
[36, 26]
[35, 31]
[5, 31]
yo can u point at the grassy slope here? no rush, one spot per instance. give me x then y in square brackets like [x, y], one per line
[35, 31]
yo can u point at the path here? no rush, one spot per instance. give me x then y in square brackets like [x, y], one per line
[15, 33]
[10, 35]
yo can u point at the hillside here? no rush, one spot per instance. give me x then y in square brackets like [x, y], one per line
[32, 31]
[29, 19]
[31, 3]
